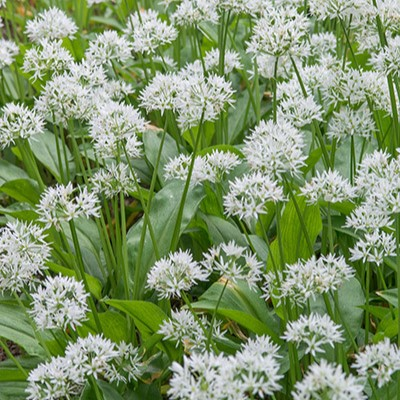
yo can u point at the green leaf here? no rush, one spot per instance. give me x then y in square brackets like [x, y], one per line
[9, 172]
[44, 147]
[22, 211]
[9, 371]
[24, 190]
[390, 296]
[13, 390]
[222, 231]
[163, 215]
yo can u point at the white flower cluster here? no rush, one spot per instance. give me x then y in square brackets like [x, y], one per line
[66, 376]
[194, 12]
[8, 51]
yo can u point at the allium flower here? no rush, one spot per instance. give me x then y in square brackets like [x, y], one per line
[109, 46]
[328, 381]
[221, 163]
[231, 60]
[368, 218]
[18, 122]
[184, 329]
[148, 32]
[322, 44]
[59, 303]
[350, 122]
[115, 179]
[114, 126]
[328, 186]
[176, 273]
[314, 331]
[323, 9]
[306, 279]
[378, 361]
[374, 247]
[248, 195]
[193, 12]
[275, 148]
[64, 203]
[51, 24]
[8, 51]
[233, 263]
[23, 255]
[387, 61]
[49, 57]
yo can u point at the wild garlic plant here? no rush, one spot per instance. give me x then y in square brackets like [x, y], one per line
[199, 199]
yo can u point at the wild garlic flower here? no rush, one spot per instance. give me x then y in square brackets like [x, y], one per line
[114, 179]
[233, 263]
[307, 279]
[327, 380]
[147, 32]
[59, 303]
[248, 195]
[373, 247]
[315, 331]
[322, 43]
[23, 256]
[8, 51]
[48, 57]
[193, 12]
[367, 218]
[276, 148]
[52, 23]
[66, 376]
[351, 122]
[231, 60]
[387, 60]
[108, 46]
[378, 361]
[176, 273]
[114, 127]
[327, 186]
[334, 8]
[184, 329]
[18, 122]
[64, 203]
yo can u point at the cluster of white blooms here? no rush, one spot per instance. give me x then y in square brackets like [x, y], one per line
[18, 122]
[59, 303]
[176, 273]
[328, 186]
[306, 279]
[248, 195]
[66, 376]
[52, 23]
[378, 361]
[23, 255]
[231, 60]
[314, 331]
[109, 46]
[8, 51]
[64, 203]
[275, 148]
[114, 179]
[114, 128]
[183, 328]
[48, 57]
[147, 31]
[335, 8]
[193, 12]
[328, 381]
[212, 167]
[233, 263]
[253, 370]
[387, 61]
[322, 44]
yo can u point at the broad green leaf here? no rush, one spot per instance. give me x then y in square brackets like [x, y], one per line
[22, 211]
[13, 390]
[163, 215]
[24, 190]
[10, 172]
[390, 296]
[222, 231]
[9, 371]
[44, 147]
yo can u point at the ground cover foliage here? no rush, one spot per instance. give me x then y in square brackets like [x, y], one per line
[199, 199]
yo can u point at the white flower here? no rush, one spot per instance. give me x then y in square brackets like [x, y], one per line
[231, 60]
[193, 12]
[148, 32]
[378, 361]
[233, 263]
[8, 51]
[18, 122]
[328, 186]
[387, 61]
[368, 218]
[51, 24]
[315, 331]
[48, 57]
[23, 255]
[59, 303]
[374, 247]
[109, 46]
[328, 381]
[64, 203]
[275, 148]
[248, 195]
[323, 43]
[323, 9]
[176, 273]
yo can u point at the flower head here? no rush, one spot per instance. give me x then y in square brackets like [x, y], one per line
[8, 51]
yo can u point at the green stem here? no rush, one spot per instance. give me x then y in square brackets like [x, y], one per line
[14, 360]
